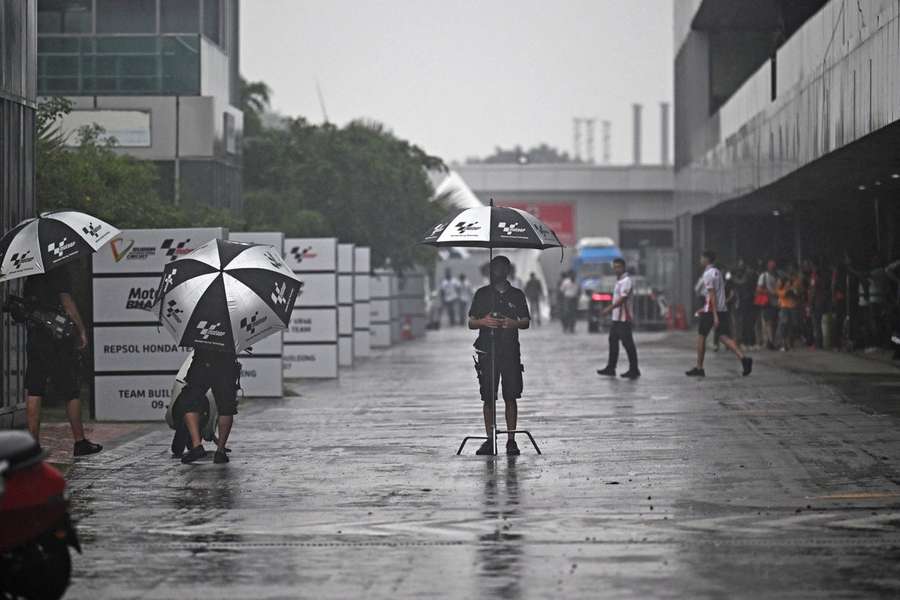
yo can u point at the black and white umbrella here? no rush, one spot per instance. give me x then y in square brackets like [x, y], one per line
[493, 227]
[49, 241]
[226, 296]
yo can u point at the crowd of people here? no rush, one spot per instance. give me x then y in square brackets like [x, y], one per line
[813, 304]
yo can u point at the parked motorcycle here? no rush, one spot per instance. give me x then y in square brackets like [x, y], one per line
[35, 529]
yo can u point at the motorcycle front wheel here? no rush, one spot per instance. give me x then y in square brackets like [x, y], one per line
[37, 571]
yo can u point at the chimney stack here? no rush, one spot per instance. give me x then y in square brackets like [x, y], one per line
[636, 110]
[664, 132]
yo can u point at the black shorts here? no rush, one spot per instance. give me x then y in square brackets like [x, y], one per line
[51, 361]
[222, 377]
[706, 325]
[508, 371]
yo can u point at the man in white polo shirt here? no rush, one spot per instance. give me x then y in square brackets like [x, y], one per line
[713, 316]
[622, 309]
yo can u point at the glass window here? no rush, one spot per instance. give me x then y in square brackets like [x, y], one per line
[126, 16]
[179, 16]
[65, 16]
[212, 18]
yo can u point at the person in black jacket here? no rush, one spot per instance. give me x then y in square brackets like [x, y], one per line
[498, 312]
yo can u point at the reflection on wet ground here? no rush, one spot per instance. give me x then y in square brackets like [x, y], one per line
[773, 485]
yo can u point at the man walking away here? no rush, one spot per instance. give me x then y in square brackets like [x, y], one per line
[569, 292]
[220, 372]
[714, 316]
[622, 309]
[465, 292]
[55, 360]
[767, 285]
[498, 311]
[533, 293]
[449, 296]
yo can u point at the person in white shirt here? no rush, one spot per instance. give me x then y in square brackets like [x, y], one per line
[712, 317]
[569, 292]
[622, 309]
[449, 296]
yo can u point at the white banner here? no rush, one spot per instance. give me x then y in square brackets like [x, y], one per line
[135, 349]
[310, 361]
[345, 351]
[125, 299]
[132, 397]
[267, 238]
[345, 320]
[380, 312]
[380, 335]
[319, 289]
[311, 254]
[261, 377]
[149, 250]
[312, 325]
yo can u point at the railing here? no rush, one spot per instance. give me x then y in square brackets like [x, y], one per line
[119, 65]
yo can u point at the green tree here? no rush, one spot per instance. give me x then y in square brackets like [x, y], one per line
[358, 182]
[255, 99]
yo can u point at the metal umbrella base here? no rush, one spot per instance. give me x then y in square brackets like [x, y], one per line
[484, 437]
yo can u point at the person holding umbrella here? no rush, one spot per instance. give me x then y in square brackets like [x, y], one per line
[219, 300]
[39, 249]
[496, 227]
[498, 311]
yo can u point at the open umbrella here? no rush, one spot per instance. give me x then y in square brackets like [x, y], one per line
[493, 227]
[54, 238]
[226, 296]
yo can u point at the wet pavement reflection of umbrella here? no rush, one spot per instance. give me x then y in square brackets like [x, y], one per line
[51, 240]
[226, 296]
[493, 227]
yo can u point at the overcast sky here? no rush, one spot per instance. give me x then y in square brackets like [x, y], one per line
[459, 77]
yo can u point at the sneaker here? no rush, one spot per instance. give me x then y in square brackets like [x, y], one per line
[84, 447]
[512, 449]
[631, 374]
[608, 371]
[747, 363]
[487, 449]
[194, 454]
[695, 372]
[220, 457]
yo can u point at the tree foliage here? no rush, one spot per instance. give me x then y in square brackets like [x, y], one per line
[359, 183]
[541, 154]
[255, 99]
[92, 177]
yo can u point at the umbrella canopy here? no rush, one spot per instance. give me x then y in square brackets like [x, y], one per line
[493, 227]
[49, 241]
[226, 296]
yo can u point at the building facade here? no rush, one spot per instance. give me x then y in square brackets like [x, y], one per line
[786, 130]
[633, 205]
[18, 83]
[161, 77]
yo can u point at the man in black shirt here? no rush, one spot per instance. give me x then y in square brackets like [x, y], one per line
[498, 311]
[55, 360]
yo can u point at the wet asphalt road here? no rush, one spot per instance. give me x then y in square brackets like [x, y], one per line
[783, 484]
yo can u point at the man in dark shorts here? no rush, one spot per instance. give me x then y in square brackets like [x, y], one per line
[55, 361]
[714, 316]
[499, 310]
[220, 372]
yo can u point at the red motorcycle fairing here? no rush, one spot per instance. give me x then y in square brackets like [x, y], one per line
[32, 503]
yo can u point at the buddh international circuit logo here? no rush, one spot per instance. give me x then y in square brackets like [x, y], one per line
[301, 254]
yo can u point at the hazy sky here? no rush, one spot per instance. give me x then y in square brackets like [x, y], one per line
[461, 77]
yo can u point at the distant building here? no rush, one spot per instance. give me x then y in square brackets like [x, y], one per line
[161, 76]
[18, 80]
[631, 204]
[786, 130]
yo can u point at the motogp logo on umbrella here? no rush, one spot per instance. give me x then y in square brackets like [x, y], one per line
[173, 312]
[169, 281]
[250, 325]
[438, 228]
[301, 254]
[92, 230]
[59, 248]
[510, 228]
[20, 259]
[208, 329]
[463, 227]
[273, 260]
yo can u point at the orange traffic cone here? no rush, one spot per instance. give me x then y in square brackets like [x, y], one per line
[406, 331]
